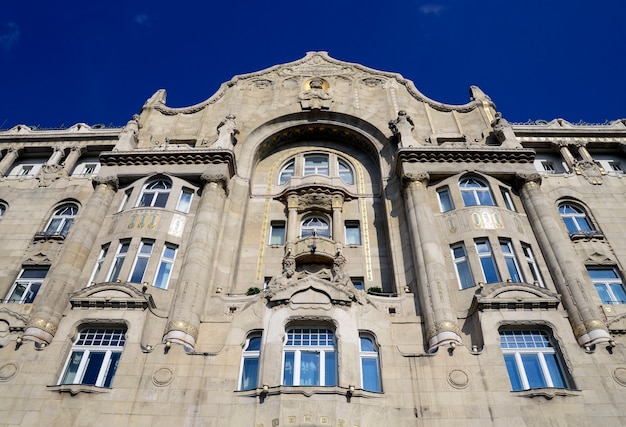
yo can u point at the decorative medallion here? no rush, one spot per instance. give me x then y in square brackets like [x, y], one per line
[8, 371]
[458, 379]
[162, 377]
[619, 375]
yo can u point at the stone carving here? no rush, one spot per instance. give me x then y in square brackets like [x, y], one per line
[162, 377]
[221, 180]
[129, 136]
[316, 97]
[338, 274]
[226, 130]
[504, 132]
[8, 371]
[372, 82]
[402, 128]
[314, 201]
[111, 181]
[420, 178]
[458, 378]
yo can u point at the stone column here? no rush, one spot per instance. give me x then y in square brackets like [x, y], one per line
[55, 158]
[569, 275]
[193, 287]
[292, 218]
[71, 159]
[582, 150]
[64, 276]
[9, 158]
[439, 319]
[338, 232]
[566, 154]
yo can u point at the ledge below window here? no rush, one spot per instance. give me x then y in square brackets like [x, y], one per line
[309, 391]
[74, 389]
[587, 235]
[547, 392]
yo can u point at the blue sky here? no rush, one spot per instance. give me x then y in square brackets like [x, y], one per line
[65, 62]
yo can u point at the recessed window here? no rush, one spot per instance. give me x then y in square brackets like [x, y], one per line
[445, 201]
[118, 261]
[315, 226]
[475, 192]
[101, 257]
[370, 365]
[531, 360]
[124, 203]
[548, 166]
[184, 201]
[25, 288]
[358, 283]
[345, 172]
[508, 200]
[511, 261]
[277, 233]
[62, 220]
[615, 166]
[155, 193]
[287, 172]
[353, 233]
[166, 263]
[3, 209]
[575, 218]
[608, 284]
[316, 164]
[532, 265]
[309, 357]
[141, 261]
[461, 265]
[249, 375]
[487, 262]
[94, 357]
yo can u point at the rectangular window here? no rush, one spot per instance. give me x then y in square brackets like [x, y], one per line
[532, 265]
[511, 261]
[353, 233]
[249, 375]
[370, 368]
[508, 200]
[124, 203]
[165, 266]
[94, 357]
[531, 360]
[358, 283]
[309, 357]
[184, 202]
[141, 261]
[99, 262]
[615, 166]
[316, 164]
[277, 233]
[461, 265]
[445, 201]
[487, 263]
[548, 166]
[89, 169]
[608, 284]
[118, 261]
[25, 288]
[26, 170]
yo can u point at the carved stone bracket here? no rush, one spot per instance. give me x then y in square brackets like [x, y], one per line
[527, 178]
[420, 178]
[221, 180]
[111, 181]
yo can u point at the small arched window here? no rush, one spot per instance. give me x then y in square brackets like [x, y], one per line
[315, 226]
[62, 219]
[249, 376]
[345, 171]
[475, 192]
[155, 193]
[3, 209]
[287, 172]
[575, 218]
[370, 366]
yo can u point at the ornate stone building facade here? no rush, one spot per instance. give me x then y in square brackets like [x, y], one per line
[317, 244]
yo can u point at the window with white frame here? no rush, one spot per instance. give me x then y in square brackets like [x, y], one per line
[532, 264]
[353, 233]
[608, 284]
[287, 172]
[309, 357]
[277, 233]
[118, 261]
[358, 283]
[370, 364]
[249, 372]
[87, 167]
[615, 166]
[141, 261]
[445, 201]
[155, 193]
[25, 288]
[62, 219]
[475, 192]
[125, 199]
[3, 209]
[511, 261]
[166, 264]
[461, 266]
[184, 201]
[345, 171]
[94, 357]
[101, 257]
[26, 169]
[508, 200]
[575, 218]
[487, 262]
[316, 164]
[314, 226]
[531, 359]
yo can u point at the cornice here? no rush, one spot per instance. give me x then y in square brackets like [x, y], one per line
[456, 155]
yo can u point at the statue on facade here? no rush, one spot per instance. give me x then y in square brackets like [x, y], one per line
[504, 132]
[402, 127]
[129, 136]
[316, 97]
[339, 276]
[226, 130]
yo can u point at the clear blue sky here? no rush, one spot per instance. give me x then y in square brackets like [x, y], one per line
[63, 62]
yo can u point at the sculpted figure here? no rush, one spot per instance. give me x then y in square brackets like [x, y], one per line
[226, 130]
[402, 127]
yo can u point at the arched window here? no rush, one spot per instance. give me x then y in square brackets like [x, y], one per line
[155, 193]
[315, 226]
[575, 218]
[287, 172]
[475, 192]
[62, 219]
[370, 366]
[345, 171]
[3, 209]
[249, 375]
[316, 164]
[309, 357]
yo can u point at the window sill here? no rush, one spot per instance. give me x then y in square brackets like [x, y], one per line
[547, 392]
[74, 389]
[309, 391]
[587, 235]
[43, 235]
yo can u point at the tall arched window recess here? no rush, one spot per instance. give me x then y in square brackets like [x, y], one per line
[475, 192]
[370, 363]
[309, 357]
[315, 226]
[249, 374]
[575, 218]
[155, 193]
[62, 219]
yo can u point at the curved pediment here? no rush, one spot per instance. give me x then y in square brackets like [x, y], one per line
[111, 295]
[311, 291]
[515, 296]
